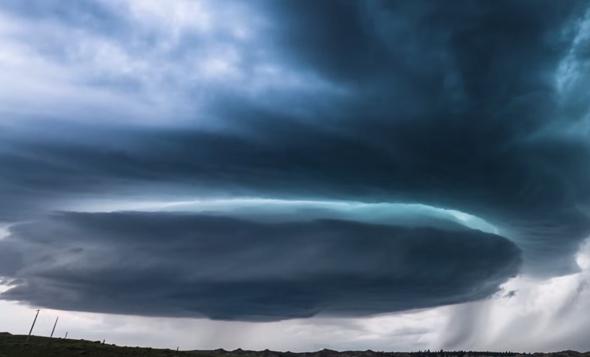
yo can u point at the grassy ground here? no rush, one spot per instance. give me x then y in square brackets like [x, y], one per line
[19, 346]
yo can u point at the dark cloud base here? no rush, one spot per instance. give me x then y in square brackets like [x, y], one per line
[451, 105]
[533, 188]
[458, 105]
[224, 268]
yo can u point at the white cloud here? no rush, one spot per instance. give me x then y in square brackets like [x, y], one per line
[4, 230]
[163, 66]
[46, 85]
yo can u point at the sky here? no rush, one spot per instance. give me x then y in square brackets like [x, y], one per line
[297, 175]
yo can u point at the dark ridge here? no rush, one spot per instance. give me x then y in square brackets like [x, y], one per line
[19, 346]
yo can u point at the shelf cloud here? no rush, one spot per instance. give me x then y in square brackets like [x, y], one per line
[286, 159]
[174, 264]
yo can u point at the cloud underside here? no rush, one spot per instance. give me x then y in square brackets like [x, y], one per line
[172, 264]
[476, 107]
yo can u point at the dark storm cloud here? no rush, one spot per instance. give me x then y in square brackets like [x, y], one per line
[532, 188]
[455, 105]
[225, 268]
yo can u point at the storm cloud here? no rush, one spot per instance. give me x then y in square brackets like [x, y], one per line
[477, 108]
[225, 268]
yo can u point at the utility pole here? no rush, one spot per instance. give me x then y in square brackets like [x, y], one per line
[66, 336]
[55, 324]
[33, 325]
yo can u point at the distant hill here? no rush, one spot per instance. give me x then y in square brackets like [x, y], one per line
[17, 346]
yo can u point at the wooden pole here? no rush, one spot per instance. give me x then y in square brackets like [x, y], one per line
[54, 325]
[33, 325]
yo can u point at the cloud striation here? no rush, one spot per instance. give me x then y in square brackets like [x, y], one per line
[475, 108]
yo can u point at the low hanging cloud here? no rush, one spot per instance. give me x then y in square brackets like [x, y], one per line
[174, 264]
[474, 107]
